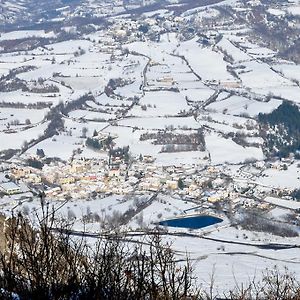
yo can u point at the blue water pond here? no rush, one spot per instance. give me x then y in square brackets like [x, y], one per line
[194, 222]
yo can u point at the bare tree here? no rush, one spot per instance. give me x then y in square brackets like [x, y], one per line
[84, 132]
[46, 262]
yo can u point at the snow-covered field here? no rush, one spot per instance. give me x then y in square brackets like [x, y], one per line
[15, 35]
[226, 151]
[194, 72]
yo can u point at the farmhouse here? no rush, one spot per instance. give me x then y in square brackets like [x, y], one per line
[18, 173]
[231, 84]
[67, 180]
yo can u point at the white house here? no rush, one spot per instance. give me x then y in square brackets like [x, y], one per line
[10, 188]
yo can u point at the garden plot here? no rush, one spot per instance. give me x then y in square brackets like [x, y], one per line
[65, 143]
[185, 76]
[223, 128]
[21, 116]
[261, 52]
[290, 204]
[223, 96]
[232, 120]
[158, 12]
[131, 90]
[61, 146]
[158, 52]
[126, 136]
[4, 71]
[68, 46]
[13, 60]
[25, 34]
[113, 110]
[157, 74]
[91, 115]
[104, 100]
[161, 123]
[44, 71]
[261, 79]
[226, 151]
[160, 103]
[44, 58]
[289, 178]
[99, 37]
[276, 12]
[28, 98]
[182, 158]
[15, 140]
[285, 92]
[197, 94]
[85, 84]
[294, 10]
[208, 13]
[238, 55]
[173, 72]
[206, 62]
[290, 71]
[259, 75]
[238, 105]
[75, 128]
[254, 50]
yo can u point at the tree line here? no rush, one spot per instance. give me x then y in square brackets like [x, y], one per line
[281, 130]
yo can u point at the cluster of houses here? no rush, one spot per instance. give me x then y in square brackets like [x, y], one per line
[82, 179]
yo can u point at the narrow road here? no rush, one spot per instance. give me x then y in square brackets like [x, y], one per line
[265, 246]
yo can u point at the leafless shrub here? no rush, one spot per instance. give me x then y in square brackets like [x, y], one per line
[275, 285]
[252, 220]
[40, 263]
[48, 262]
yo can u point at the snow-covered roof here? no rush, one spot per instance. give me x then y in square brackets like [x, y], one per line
[9, 186]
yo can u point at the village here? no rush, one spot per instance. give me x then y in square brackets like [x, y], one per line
[211, 187]
[127, 116]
